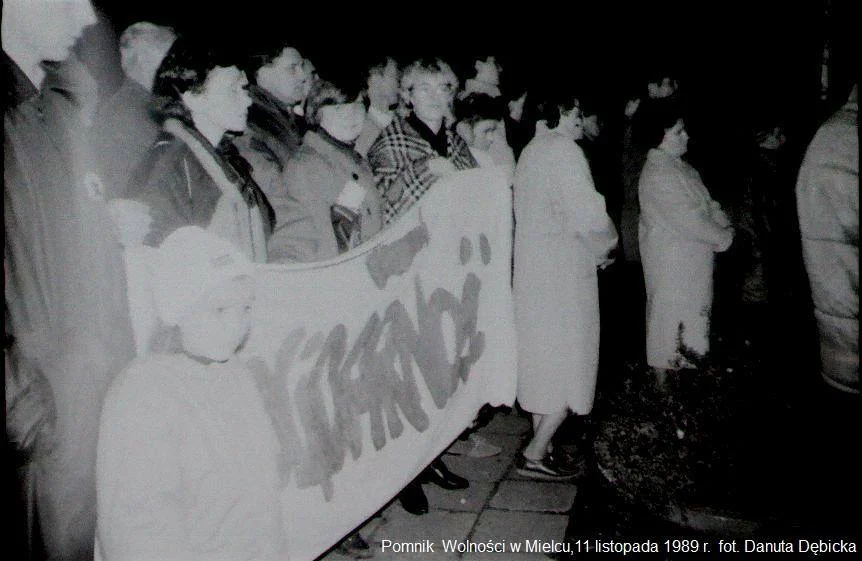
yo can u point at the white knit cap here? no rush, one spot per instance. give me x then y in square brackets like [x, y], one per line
[188, 264]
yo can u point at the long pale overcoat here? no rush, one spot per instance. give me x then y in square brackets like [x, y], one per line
[681, 228]
[65, 292]
[562, 232]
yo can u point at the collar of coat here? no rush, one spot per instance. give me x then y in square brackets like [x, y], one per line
[218, 165]
[331, 149]
[400, 128]
[271, 115]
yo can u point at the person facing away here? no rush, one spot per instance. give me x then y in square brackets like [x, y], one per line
[187, 456]
[415, 151]
[194, 175]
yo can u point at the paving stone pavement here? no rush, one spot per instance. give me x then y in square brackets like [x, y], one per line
[500, 508]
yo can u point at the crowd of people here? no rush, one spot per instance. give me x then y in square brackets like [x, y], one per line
[212, 159]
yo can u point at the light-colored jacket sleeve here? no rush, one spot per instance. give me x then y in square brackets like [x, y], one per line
[666, 198]
[587, 207]
[139, 478]
[827, 194]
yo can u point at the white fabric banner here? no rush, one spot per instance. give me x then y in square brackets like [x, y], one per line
[372, 363]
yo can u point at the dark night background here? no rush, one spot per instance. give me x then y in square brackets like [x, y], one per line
[738, 62]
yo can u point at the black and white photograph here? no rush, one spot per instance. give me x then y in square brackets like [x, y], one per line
[425, 281]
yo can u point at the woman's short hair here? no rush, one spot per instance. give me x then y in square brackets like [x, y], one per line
[324, 93]
[185, 69]
[379, 64]
[264, 53]
[411, 74]
[653, 118]
[550, 102]
[479, 107]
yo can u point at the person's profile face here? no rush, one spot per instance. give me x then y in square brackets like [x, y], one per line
[220, 321]
[675, 141]
[592, 126]
[431, 96]
[572, 123]
[51, 29]
[484, 133]
[224, 100]
[516, 107]
[287, 76]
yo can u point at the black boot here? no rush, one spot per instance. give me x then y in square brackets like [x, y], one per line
[438, 474]
[413, 499]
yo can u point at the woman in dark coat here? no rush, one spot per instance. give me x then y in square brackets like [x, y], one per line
[194, 175]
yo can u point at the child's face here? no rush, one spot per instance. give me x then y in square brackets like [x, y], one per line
[220, 321]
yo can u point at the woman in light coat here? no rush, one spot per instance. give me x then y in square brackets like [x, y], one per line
[681, 228]
[562, 234]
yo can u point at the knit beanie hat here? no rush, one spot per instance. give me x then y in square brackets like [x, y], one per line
[188, 264]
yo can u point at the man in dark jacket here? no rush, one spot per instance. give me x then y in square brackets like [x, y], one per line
[280, 82]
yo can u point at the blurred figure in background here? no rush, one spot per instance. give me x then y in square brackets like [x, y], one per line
[480, 124]
[125, 127]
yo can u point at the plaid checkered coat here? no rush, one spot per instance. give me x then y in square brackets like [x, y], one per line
[399, 158]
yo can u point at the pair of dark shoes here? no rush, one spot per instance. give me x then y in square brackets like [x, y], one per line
[548, 468]
[412, 497]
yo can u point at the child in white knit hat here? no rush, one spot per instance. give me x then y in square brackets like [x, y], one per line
[187, 457]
